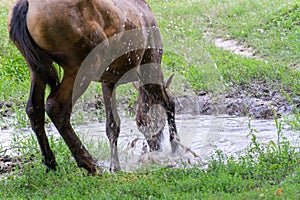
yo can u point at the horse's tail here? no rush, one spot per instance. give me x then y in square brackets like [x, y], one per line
[37, 59]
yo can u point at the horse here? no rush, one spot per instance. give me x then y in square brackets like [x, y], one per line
[108, 41]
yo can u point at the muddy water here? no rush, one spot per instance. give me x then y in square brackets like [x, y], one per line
[202, 134]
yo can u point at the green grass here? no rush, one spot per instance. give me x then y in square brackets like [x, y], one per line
[271, 28]
[14, 76]
[161, 184]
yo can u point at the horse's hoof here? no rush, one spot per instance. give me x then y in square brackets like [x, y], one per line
[51, 165]
[96, 172]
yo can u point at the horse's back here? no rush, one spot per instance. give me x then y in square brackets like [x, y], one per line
[64, 25]
[66, 32]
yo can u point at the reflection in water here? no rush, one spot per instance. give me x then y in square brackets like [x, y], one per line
[202, 134]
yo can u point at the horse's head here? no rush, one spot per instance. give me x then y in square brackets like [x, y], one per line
[153, 111]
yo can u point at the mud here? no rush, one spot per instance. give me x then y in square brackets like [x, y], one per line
[8, 164]
[236, 47]
[5, 109]
[232, 45]
[256, 100]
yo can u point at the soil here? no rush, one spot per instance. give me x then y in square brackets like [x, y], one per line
[236, 47]
[4, 109]
[257, 100]
[8, 164]
[232, 45]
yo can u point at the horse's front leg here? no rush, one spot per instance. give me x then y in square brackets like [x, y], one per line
[59, 108]
[112, 124]
[170, 110]
[36, 112]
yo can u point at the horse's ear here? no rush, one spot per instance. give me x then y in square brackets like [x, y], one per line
[169, 81]
[136, 84]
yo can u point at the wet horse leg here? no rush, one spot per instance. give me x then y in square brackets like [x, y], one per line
[36, 112]
[146, 125]
[170, 109]
[150, 72]
[149, 117]
[59, 108]
[112, 124]
[151, 79]
[154, 141]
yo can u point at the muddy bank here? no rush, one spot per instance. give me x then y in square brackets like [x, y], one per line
[257, 100]
[8, 164]
[5, 109]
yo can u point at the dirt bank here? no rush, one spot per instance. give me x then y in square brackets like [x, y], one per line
[258, 100]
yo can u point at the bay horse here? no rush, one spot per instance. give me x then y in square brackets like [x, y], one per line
[125, 43]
